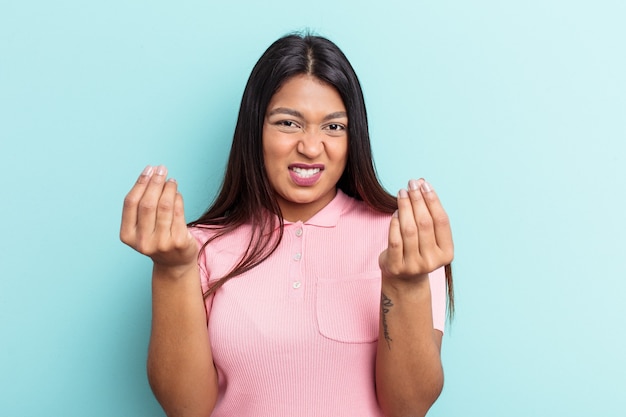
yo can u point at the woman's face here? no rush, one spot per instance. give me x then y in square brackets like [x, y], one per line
[305, 145]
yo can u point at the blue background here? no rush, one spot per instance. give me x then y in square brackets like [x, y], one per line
[515, 112]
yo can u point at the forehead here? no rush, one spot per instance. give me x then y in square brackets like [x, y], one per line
[306, 92]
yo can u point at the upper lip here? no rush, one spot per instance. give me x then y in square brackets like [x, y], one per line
[307, 166]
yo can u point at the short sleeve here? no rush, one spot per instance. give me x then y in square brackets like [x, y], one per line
[438, 296]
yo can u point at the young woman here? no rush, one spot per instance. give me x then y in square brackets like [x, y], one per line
[305, 289]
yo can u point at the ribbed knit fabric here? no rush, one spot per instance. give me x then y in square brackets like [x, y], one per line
[296, 336]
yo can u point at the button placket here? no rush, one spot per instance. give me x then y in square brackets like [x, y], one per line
[296, 282]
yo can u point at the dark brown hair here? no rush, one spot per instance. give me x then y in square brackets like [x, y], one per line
[246, 196]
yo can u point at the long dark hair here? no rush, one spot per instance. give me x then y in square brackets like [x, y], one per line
[246, 196]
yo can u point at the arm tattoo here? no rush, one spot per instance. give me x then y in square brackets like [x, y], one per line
[385, 305]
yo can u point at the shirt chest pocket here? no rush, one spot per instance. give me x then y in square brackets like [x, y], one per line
[348, 309]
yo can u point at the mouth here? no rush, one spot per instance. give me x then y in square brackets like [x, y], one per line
[305, 175]
[305, 172]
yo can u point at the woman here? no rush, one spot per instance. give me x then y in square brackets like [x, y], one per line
[304, 290]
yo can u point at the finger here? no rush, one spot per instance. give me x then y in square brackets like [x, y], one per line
[423, 219]
[165, 211]
[392, 256]
[408, 228]
[147, 210]
[131, 201]
[180, 232]
[441, 222]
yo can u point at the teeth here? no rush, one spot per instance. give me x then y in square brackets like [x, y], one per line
[305, 173]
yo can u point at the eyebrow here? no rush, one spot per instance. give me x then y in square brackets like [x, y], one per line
[296, 113]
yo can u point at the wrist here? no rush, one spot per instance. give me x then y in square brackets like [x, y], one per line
[174, 272]
[392, 286]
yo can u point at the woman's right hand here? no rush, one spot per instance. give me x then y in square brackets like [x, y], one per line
[153, 221]
[180, 363]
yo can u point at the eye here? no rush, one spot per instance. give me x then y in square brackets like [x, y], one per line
[286, 124]
[335, 129]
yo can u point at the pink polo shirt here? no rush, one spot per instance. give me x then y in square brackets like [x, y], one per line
[296, 335]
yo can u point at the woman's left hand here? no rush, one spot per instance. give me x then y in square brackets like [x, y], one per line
[420, 239]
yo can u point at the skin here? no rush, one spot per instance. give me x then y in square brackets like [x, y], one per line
[180, 363]
[409, 375]
[305, 124]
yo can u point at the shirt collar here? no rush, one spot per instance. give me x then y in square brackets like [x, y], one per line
[329, 215]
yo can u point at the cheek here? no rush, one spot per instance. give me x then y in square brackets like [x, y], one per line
[269, 152]
[340, 153]
[272, 158]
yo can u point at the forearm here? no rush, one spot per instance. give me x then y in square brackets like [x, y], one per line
[409, 376]
[180, 365]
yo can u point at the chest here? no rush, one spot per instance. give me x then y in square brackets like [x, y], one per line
[319, 287]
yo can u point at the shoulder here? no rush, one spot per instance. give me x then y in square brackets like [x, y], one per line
[360, 219]
[202, 233]
[219, 251]
[217, 239]
[359, 211]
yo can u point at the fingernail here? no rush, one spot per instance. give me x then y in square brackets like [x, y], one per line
[413, 185]
[403, 193]
[160, 170]
[426, 187]
[395, 214]
[147, 171]
[172, 180]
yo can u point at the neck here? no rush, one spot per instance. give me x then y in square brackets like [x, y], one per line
[293, 212]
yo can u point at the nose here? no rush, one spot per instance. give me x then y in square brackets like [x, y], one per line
[311, 144]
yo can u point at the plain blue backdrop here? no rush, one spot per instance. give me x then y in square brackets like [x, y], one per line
[514, 111]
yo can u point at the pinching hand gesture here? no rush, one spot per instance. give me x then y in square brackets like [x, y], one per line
[420, 239]
[153, 221]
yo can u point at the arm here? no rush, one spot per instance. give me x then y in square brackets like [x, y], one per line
[180, 363]
[409, 375]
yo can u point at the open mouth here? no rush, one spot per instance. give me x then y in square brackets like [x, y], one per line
[305, 172]
[305, 175]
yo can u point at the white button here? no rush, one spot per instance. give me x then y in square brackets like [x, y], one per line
[299, 232]
[297, 256]
[297, 284]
